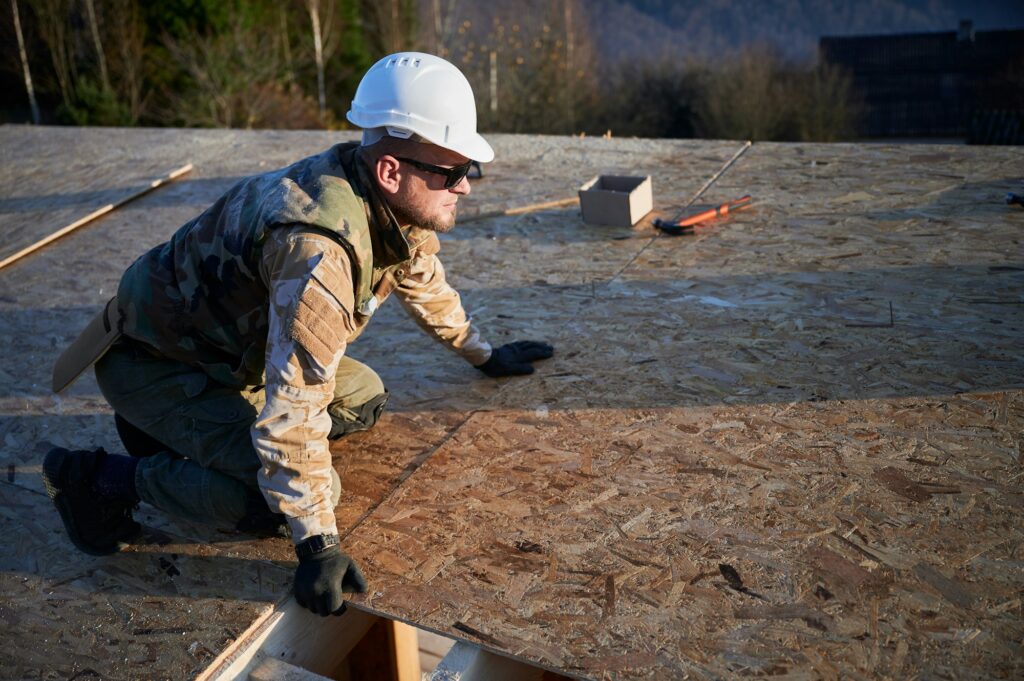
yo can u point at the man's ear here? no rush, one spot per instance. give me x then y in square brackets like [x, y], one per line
[387, 172]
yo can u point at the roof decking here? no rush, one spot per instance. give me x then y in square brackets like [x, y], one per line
[823, 394]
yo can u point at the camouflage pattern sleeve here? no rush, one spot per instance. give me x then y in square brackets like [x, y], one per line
[310, 283]
[430, 300]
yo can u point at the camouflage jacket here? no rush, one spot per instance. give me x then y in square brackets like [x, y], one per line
[269, 285]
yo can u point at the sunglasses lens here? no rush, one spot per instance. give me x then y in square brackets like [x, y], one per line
[457, 174]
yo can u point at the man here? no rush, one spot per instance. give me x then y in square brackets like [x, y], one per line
[223, 353]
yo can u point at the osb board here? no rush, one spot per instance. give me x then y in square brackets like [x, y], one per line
[863, 539]
[554, 247]
[50, 177]
[161, 612]
[47, 298]
[747, 323]
[852, 208]
[611, 338]
[44, 301]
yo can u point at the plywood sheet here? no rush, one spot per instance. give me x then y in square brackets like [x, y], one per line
[740, 461]
[833, 538]
[735, 399]
[163, 611]
[52, 177]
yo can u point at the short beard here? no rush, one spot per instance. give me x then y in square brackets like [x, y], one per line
[407, 215]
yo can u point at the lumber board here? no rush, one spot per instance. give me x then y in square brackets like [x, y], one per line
[466, 662]
[290, 634]
[53, 178]
[118, 199]
[270, 669]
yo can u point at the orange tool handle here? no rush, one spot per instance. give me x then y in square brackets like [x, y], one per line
[724, 209]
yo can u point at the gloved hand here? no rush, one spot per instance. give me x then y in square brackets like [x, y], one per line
[322, 578]
[514, 359]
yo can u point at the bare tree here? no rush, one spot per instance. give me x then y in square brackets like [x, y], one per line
[53, 19]
[534, 72]
[128, 34]
[238, 81]
[324, 30]
[442, 25]
[101, 59]
[24, 64]
[744, 98]
[391, 25]
[824, 105]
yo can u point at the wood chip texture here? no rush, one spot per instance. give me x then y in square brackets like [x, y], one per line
[788, 445]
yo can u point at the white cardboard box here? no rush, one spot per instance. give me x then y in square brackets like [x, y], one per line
[618, 200]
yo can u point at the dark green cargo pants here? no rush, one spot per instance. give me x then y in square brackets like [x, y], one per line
[206, 471]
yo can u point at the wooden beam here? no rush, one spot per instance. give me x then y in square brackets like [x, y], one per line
[406, 650]
[291, 634]
[99, 212]
[466, 662]
[270, 669]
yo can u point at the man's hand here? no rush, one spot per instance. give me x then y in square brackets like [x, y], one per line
[322, 578]
[514, 359]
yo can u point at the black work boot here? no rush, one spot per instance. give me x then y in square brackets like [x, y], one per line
[96, 525]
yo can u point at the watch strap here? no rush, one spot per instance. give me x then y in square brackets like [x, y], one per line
[316, 544]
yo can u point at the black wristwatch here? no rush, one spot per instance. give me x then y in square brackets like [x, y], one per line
[315, 544]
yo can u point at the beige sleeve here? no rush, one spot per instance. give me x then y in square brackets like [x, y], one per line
[431, 301]
[311, 299]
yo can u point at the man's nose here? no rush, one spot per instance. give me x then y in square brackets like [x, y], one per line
[462, 188]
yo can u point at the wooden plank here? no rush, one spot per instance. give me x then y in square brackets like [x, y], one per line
[466, 662]
[99, 212]
[270, 669]
[433, 648]
[406, 647]
[291, 634]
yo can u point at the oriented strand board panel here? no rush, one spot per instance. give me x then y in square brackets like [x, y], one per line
[740, 461]
[814, 539]
[163, 611]
[44, 301]
[52, 177]
[167, 608]
[669, 387]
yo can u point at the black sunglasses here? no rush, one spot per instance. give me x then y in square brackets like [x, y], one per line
[453, 176]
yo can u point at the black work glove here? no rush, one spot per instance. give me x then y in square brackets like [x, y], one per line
[322, 578]
[514, 359]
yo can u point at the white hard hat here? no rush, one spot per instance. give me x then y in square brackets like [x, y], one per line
[412, 93]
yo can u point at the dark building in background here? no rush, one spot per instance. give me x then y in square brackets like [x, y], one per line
[962, 83]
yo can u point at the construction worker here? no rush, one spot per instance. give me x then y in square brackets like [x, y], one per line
[223, 353]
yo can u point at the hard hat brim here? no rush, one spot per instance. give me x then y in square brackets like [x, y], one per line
[474, 147]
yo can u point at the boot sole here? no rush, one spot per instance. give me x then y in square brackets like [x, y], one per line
[52, 465]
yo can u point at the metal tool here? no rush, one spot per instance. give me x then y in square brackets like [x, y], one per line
[685, 223]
